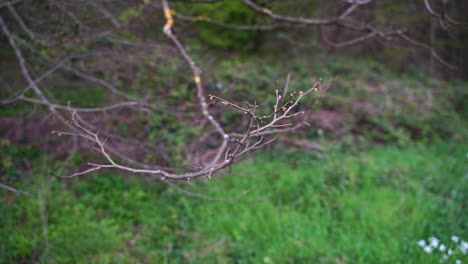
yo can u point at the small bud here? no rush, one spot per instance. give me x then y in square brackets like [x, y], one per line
[266, 10]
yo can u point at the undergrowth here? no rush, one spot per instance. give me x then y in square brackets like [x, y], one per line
[351, 206]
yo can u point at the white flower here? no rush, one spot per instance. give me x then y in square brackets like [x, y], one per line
[422, 243]
[455, 239]
[428, 249]
[450, 251]
[435, 243]
[444, 257]
[463, 247]
[442, 247]
[458, 261]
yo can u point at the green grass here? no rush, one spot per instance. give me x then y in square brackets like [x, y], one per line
[352, 206]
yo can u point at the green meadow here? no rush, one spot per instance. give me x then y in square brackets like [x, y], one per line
[349, 205]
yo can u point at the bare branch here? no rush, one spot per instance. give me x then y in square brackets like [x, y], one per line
[14, 190]
[445, 16]
[344, 21]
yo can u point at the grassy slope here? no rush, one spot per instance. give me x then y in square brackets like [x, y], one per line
[350, 207]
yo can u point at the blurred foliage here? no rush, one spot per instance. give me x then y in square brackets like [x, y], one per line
[14, 157]
[80, 96]
[225, 11]
[130, 13]
[360, 206]
[366, 99]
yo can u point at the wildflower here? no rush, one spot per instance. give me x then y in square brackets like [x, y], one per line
[428, 249]
[444, 258]
[458, 261]
[463, 247]
[422, 243]
[455, 239]
[450, 251]
[442, 247]
[434, 242]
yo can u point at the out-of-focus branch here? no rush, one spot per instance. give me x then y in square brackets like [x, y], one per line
[20, 94]
[10, 3]
[45, 101]
[432, 50]
[14, 190]
[62, 65]
[307, 21]
[344, 21]
[22, 63]
[297, 20]
[230, 149]
[444, 16]
[106, 13]
[229, 26]
[80, 110]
